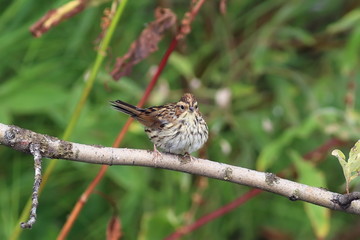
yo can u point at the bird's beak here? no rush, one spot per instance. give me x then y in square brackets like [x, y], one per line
[191, 109]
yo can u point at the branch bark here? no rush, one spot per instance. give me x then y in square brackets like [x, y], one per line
[50, 147]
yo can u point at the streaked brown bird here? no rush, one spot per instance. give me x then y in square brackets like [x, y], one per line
[175, 127]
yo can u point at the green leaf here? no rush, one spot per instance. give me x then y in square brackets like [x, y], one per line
[354, 157]
[351, 168]
[319, 218]
[310, 175]
[340, 155]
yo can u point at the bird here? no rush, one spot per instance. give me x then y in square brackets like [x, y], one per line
[177, 128]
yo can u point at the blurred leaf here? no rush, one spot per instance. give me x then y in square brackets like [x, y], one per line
[34, 98]
[55, 16]
[350, 20]
[27, 76]
[350, 56]
[351, 168]
[130, 178]
[274, 149]
[154, 225]
[113, 230]
[242, 90]
[5, 116]
[310, 175]
[319, 218]
[290, 33]
[182, 64]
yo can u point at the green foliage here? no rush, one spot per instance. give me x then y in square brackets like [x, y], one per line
[318, 216]
[275, 80]
[351, 168]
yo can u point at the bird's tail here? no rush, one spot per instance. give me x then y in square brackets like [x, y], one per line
[146, 118]
[126, 108]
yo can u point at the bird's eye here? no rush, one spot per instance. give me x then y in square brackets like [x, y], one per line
[196, 106]
[182, 107]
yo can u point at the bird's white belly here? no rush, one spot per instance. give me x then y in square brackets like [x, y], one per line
[180, 139]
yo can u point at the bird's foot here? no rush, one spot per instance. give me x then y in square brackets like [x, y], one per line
[157, 154]
[186, 158]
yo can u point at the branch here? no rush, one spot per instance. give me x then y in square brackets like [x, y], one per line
[35, 151]
[50, 147]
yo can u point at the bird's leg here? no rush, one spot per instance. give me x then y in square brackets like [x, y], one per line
[157, 154]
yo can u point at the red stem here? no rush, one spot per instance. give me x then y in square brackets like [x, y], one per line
[160, 68]
[319, 152]
[213, 215]
[85, 196]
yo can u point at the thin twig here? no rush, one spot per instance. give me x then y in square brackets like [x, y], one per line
[35, 151]
[51, 147]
